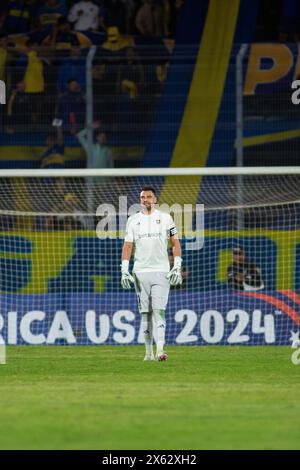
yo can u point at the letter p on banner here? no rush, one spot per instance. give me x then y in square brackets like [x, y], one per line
[2, 92]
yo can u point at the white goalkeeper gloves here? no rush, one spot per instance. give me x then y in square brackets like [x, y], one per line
[127, 279]
[174, 276]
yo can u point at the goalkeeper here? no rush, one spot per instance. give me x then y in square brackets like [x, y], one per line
[149, 231]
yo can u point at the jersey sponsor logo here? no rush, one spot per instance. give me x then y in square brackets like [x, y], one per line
[173, 231]
[148, 235]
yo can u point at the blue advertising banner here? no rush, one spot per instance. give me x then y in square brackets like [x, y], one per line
[196, 318]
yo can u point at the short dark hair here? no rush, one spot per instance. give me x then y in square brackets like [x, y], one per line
[149, 188]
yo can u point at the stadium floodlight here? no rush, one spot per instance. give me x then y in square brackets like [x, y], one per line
[61, 235]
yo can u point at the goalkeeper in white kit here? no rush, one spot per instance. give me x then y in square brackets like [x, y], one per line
[149, 232]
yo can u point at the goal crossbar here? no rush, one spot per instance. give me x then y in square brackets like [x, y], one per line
[127, 172]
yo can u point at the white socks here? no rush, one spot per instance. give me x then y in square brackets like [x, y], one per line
[147, 326]
[160, 323]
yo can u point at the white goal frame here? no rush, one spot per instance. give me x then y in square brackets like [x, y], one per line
[127, 172]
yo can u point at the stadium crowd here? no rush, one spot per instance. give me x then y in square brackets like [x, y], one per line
[144, 17]
[43, 49]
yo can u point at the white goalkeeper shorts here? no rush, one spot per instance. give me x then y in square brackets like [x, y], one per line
[152, 291]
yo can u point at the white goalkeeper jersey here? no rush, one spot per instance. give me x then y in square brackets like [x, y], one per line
[150, 235]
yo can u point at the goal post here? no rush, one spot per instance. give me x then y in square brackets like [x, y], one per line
[60, 255]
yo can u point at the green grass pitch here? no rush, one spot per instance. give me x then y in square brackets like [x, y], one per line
[108, 398]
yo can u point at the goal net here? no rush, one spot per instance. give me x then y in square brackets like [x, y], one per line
[61, 236]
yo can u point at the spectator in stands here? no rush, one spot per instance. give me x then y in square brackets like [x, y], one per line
[149, 18]
[115, 42]
[17, 17]
[3, 55]
[71, 107]
[50, 12]
[86, 16]
[17, 107]
[111, 55]
[100, 155]
[117, 15]
[155, 76]
[53, 157]
[130, 87]
[71, 219]
[173, 17]
[121, 14]
[34, 81]
[131, 7]
[62, 39]
[132, 71]
[127, 121]
[72, 67]
[52, 189]
[242, 274]
[103, 15]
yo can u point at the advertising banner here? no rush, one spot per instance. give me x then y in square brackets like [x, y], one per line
[193, 318]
